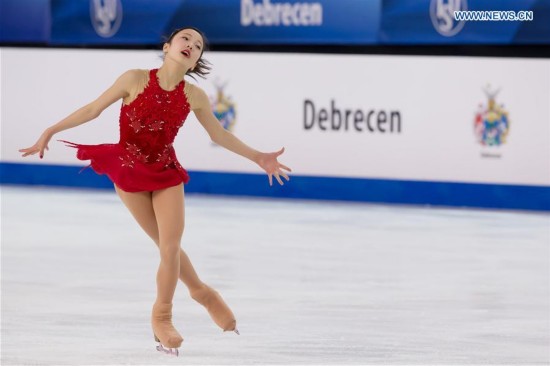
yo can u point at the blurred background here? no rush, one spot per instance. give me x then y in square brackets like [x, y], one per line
[379, 101]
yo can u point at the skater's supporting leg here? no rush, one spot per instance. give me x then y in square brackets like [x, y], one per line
[169, 212]
[141, 207]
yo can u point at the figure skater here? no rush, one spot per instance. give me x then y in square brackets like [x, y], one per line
[146, 173]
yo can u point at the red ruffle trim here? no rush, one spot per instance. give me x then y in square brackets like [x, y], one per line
[126, 171]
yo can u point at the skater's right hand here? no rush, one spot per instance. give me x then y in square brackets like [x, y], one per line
[39, 146]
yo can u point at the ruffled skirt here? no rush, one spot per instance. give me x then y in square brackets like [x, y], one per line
[127, 171]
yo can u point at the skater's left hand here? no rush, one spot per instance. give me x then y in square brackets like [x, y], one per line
[269, 163]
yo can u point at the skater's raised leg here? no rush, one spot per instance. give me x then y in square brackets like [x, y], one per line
[217, 308]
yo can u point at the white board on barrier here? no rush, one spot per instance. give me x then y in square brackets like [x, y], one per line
[459, 119]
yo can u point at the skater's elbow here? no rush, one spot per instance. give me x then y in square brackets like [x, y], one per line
[216, 137]
[91, 111]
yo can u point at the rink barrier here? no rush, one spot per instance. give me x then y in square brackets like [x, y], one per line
[497, 196]
[369, 124]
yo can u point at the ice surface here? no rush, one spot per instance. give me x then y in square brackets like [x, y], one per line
[310, 283]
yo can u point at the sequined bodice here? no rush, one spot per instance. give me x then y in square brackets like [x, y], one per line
[149, 125]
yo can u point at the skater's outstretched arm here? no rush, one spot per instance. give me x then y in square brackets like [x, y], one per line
[120, 89]
[224, 138]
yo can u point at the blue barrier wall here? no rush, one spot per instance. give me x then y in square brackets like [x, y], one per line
[497, 196]
[305, 22]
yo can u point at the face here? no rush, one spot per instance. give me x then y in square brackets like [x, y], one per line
[185, 48]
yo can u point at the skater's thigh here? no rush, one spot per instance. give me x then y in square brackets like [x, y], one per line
[169, 212]
[140, 205]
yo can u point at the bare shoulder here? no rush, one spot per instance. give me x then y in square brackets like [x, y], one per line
[196, 97]
[133, 82]
[134, 76]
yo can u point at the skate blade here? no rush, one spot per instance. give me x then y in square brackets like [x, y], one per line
[169, 351]
[234, 330]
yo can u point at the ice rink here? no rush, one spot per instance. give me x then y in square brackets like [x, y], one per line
[310, 283]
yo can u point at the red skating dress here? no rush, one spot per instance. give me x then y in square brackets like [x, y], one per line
[144, 158]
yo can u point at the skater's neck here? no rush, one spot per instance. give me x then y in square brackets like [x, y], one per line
[170, 75]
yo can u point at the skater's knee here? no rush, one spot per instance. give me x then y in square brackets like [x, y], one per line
[169, 250]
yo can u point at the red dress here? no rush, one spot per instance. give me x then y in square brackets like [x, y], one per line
[144, 158]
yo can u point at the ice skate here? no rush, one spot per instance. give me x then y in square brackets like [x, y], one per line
[217, 308]
[168, 351]
[168, 338]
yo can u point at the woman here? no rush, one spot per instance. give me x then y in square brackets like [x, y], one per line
[146, 173]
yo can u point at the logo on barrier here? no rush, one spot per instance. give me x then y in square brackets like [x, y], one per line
[491, 124]
[223, 107]
[442, 14]
[265, 13]
[106, 16]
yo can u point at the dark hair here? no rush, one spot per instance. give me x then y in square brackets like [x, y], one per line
[203, 66]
